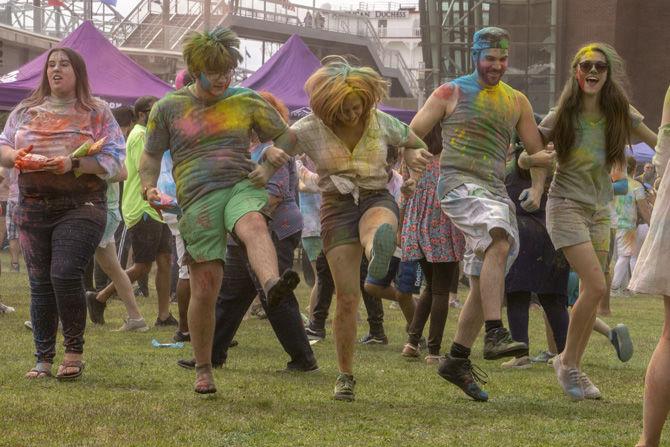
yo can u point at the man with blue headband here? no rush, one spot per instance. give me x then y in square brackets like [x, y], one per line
[479, 115]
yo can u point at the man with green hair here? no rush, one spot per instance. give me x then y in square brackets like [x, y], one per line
[207, 128]
[479, 115]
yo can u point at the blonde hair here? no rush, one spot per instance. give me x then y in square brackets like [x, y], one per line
[277, 103]
[329, 86]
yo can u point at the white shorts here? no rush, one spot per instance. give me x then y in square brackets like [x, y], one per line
[626, 243]
[173, 224]
[476, 211]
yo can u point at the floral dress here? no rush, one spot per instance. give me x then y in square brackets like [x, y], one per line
[426, 231]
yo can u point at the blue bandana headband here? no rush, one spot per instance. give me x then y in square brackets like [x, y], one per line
[490, 37]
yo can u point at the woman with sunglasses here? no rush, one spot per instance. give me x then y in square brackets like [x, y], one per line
[62, 204]
[651, 276]
[590, 128]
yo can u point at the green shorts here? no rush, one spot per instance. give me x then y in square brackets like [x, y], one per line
[205, 224]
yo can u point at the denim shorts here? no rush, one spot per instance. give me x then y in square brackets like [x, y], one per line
[406, 276]
[113, 221]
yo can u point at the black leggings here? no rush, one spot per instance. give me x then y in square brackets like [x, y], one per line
[555, 307]
[434, 302]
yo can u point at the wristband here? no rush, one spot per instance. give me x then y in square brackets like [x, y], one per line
[76, 163]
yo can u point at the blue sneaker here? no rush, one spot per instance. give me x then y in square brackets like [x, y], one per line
[383, 246]
[620, 338]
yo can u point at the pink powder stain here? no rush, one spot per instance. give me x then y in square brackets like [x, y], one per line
[445, 91]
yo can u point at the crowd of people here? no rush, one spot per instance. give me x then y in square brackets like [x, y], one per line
[530, 208]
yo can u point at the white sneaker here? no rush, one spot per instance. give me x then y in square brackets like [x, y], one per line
[569, 379]
[590, 390]
[131, 325]
[4, 309]
[518, 363]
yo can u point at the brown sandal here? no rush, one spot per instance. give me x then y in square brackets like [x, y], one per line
[42, 370]
[70, 364]
[204, 379]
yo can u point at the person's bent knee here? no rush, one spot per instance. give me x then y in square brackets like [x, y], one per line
[251, 225]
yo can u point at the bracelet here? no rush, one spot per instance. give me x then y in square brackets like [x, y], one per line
[75, 162]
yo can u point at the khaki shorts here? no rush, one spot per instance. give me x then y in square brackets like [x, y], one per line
[205, 224]
[571, 223]
[476, 211]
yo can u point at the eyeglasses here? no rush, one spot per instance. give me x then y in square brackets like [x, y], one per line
[587, 66]
[215, 76]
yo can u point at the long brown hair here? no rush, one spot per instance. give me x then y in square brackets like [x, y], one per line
[613, 103]
[82, 88]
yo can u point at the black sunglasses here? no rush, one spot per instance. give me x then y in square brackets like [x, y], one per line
[587, 66]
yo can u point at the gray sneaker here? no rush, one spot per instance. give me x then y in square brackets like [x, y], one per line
[4, 309]
[132, 325]
[590, 390]
[344, 387]
[620, 339]
[543, 357]
[569, 379]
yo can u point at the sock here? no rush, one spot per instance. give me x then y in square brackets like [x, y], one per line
[492, 324]
[459, 351]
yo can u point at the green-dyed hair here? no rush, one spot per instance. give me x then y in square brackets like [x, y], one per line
[331, 83]
[216, 50]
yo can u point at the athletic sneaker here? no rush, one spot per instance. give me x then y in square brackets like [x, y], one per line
[543, 357]
[411, 351]
[132, 325]
[590, 390]
[180, 336]
[5, 309]
[169, 321]
[96, 309]
[315, 334]
[498, 343]
[522, 362]
[301, 367]
[569, 379]
[28, 325]
[620, 338]
[344, 387]
[383, 246]
[463, 374]
[282, 287]
[374, 340]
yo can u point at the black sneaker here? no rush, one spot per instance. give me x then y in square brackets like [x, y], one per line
[139, 292]
[301, 367]
[315, 334]
[169, 321]
[181, 336]
[374, 340]
[283, 286]
[498, 344]
[96, 309]
[463, 374]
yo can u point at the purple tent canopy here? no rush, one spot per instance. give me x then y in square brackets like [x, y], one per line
[286, 72]
[113, 76]
[642, 152]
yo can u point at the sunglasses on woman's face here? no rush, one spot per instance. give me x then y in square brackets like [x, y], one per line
[587, 66]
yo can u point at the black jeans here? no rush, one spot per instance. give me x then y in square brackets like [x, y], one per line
[59, 238]
[238, 290]
[434, 302]
[324, 297]
[555, 308]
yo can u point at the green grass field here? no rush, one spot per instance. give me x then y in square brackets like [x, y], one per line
[134, 395]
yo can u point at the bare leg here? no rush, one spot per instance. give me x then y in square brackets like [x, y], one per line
[657, 387]
[604, 306]
[471, 318]
[106, 258]
[601, 327]
[253, 232]
[407, 305]
[584, 262]
[14, 250]
[492, 277]
[313, 294]
[346, 274]
[183, 299]
[551, 341]
[205, 283]
[136, 271]
[163, 263]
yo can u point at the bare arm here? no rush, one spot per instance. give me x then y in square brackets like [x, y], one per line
[150, 169]
[441, 103]
[644, 209]
[7, 156]
[644, 133]
[532, 141]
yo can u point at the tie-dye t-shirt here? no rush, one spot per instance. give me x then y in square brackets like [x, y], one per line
[626, 205]
[58, 128]
[584, 177]
[365, 166]
[209, 141]
[476, 136]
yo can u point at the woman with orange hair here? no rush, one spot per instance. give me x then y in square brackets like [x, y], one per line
[347, 137]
